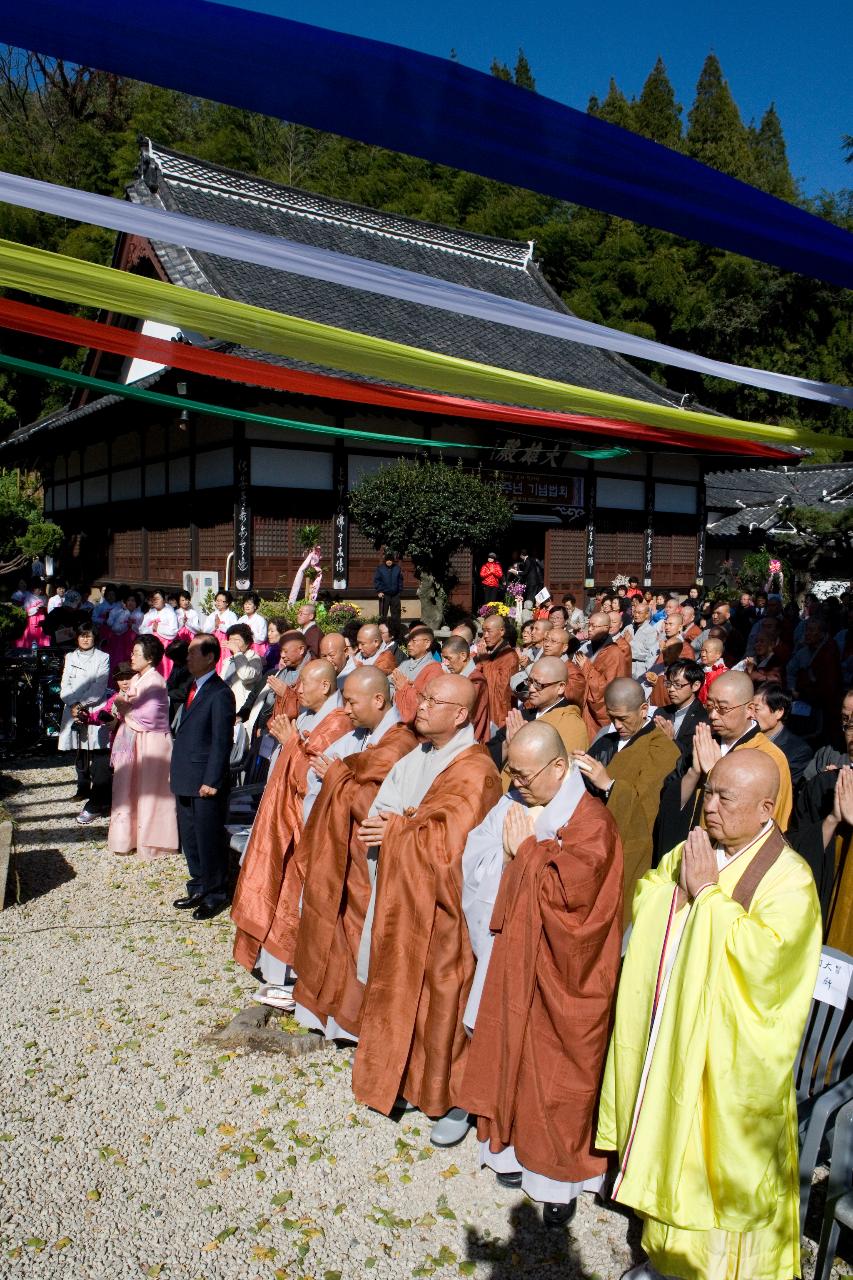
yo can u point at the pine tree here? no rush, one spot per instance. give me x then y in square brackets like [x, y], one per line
[770, 158]
[716, 134]
[501, 70]
[523, 76]
[615, 109]
[656, 113]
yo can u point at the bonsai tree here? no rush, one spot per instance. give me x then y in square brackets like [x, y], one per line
[427, 511]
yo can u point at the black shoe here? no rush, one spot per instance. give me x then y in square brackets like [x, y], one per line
[191, 900]
[509, 1180]
[558, 1215]
[82, 793]
[207, 910]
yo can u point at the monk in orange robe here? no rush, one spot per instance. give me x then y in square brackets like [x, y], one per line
[279, 821]
[411, 678]
[600, 661]
[498, 663]
[542, 896]
[284, 682]
[415, 953]
[371, 653]
[331, 862]
[457, 661]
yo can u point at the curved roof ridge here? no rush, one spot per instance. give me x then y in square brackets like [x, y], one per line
[179, 169]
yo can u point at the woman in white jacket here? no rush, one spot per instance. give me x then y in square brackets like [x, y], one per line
[243, 673]
[85, 676]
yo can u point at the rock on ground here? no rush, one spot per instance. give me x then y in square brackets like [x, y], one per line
[131, 1146]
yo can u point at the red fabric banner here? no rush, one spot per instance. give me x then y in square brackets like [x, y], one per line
[24, 318]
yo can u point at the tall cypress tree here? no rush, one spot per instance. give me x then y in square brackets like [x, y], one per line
[656, 113]
[716, 134]
[770, 158]
[523, 75]
[615, 109]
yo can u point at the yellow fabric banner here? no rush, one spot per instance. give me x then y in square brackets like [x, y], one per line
[88, 284]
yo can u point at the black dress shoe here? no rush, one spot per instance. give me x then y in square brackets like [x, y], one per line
[207, 910]
[82, 793]
[509, 1180]
[191, 900]
[558, 1215]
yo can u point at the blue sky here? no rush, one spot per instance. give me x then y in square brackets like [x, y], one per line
[798, 56]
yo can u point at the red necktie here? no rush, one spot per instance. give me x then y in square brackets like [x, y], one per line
[192, 693]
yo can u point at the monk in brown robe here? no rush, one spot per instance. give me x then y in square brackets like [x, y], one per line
[284, 682]
[627, 768]
[498, 662]
[457, 661]
[334, 648]
[600, 660]
[542, 897]
[330, 863]
[279, 821]
[546, 701]
[416, 955]
[411, 678]
[673, 646]
[370, 650]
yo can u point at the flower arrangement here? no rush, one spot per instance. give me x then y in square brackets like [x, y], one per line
[775, 578]
[486, 610]
[621, 580]
[516, 590]
[341, 613]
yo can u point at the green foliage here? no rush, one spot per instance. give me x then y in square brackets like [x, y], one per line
[12, 622]
[24, 533]
[428, 510]
[79, 126]
[819, 535]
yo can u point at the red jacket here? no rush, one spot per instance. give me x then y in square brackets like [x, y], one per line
[491, 574]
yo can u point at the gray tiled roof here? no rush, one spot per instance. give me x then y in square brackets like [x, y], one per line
[176, 182]
[759, 499]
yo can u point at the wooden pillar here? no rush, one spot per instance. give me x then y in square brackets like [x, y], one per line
[702, 512]
[589, 580]
[649, 536]
[242, 511]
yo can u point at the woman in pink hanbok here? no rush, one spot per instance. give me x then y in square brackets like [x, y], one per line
[189, 622]
[34, 601]
[144, 818]
[217, 624]
[119, 633]
[257, 624]
[161, 621]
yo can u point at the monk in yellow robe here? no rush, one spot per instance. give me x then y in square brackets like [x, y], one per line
[698, 1094]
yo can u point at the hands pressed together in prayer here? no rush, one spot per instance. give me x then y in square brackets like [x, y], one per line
[282, 729]
[665, 726]
[372, 830]
[518, 826]
[398, 680]
[514, 721]
[580, 659]
[319, 763]
[277, 685]
[706, 752]
[698, 864]
[842, 805]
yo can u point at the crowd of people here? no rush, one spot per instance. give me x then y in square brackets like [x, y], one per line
[565, 883]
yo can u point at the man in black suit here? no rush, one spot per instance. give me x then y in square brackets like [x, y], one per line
[199, 780]
[771, 709]
[684, 680]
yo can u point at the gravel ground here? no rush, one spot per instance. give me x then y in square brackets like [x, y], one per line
[133, 1146]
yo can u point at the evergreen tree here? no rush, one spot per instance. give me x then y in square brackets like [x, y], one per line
[615, 109]
[501, 70]
[717, 135]
[656, 113]
[523, 76]
[770, 158]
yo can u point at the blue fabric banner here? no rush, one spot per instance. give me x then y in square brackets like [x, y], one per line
[430, 107]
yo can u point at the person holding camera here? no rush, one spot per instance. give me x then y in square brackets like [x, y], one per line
[85, 675]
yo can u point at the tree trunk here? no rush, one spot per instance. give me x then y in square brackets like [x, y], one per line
[433, 597]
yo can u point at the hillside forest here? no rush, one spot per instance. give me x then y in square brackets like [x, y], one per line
[79, 127]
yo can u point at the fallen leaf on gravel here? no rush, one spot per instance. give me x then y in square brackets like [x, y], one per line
[282, 1197]
[227, 1129]
[331, 1275]
[263, 1253]
[449, 1173]
[94, 1194]
[63, 1243]
[35, 1242]
[225, 1233]
[467, 1268]
[154, 1270]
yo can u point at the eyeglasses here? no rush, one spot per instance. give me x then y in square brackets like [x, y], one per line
[535, 687]
[724, 711]
[846, 721]
[676, 684]
[428, 701]
[525, 779]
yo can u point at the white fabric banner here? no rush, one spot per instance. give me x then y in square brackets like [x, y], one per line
[373, 277]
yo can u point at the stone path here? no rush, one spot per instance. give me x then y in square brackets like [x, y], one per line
[130, 1145]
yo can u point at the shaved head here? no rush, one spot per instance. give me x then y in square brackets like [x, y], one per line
[732, 686]
[368, 680]
[600, 620]
[333, 647]
[556, 642]
[740, 795]
[539, 742]
[369, 639]
[317, 681]
[547, 670]
[456, 644]
[537, 762]
[626, 694]
[454, 689]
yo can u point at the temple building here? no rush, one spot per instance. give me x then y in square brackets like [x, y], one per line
[146, 493]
